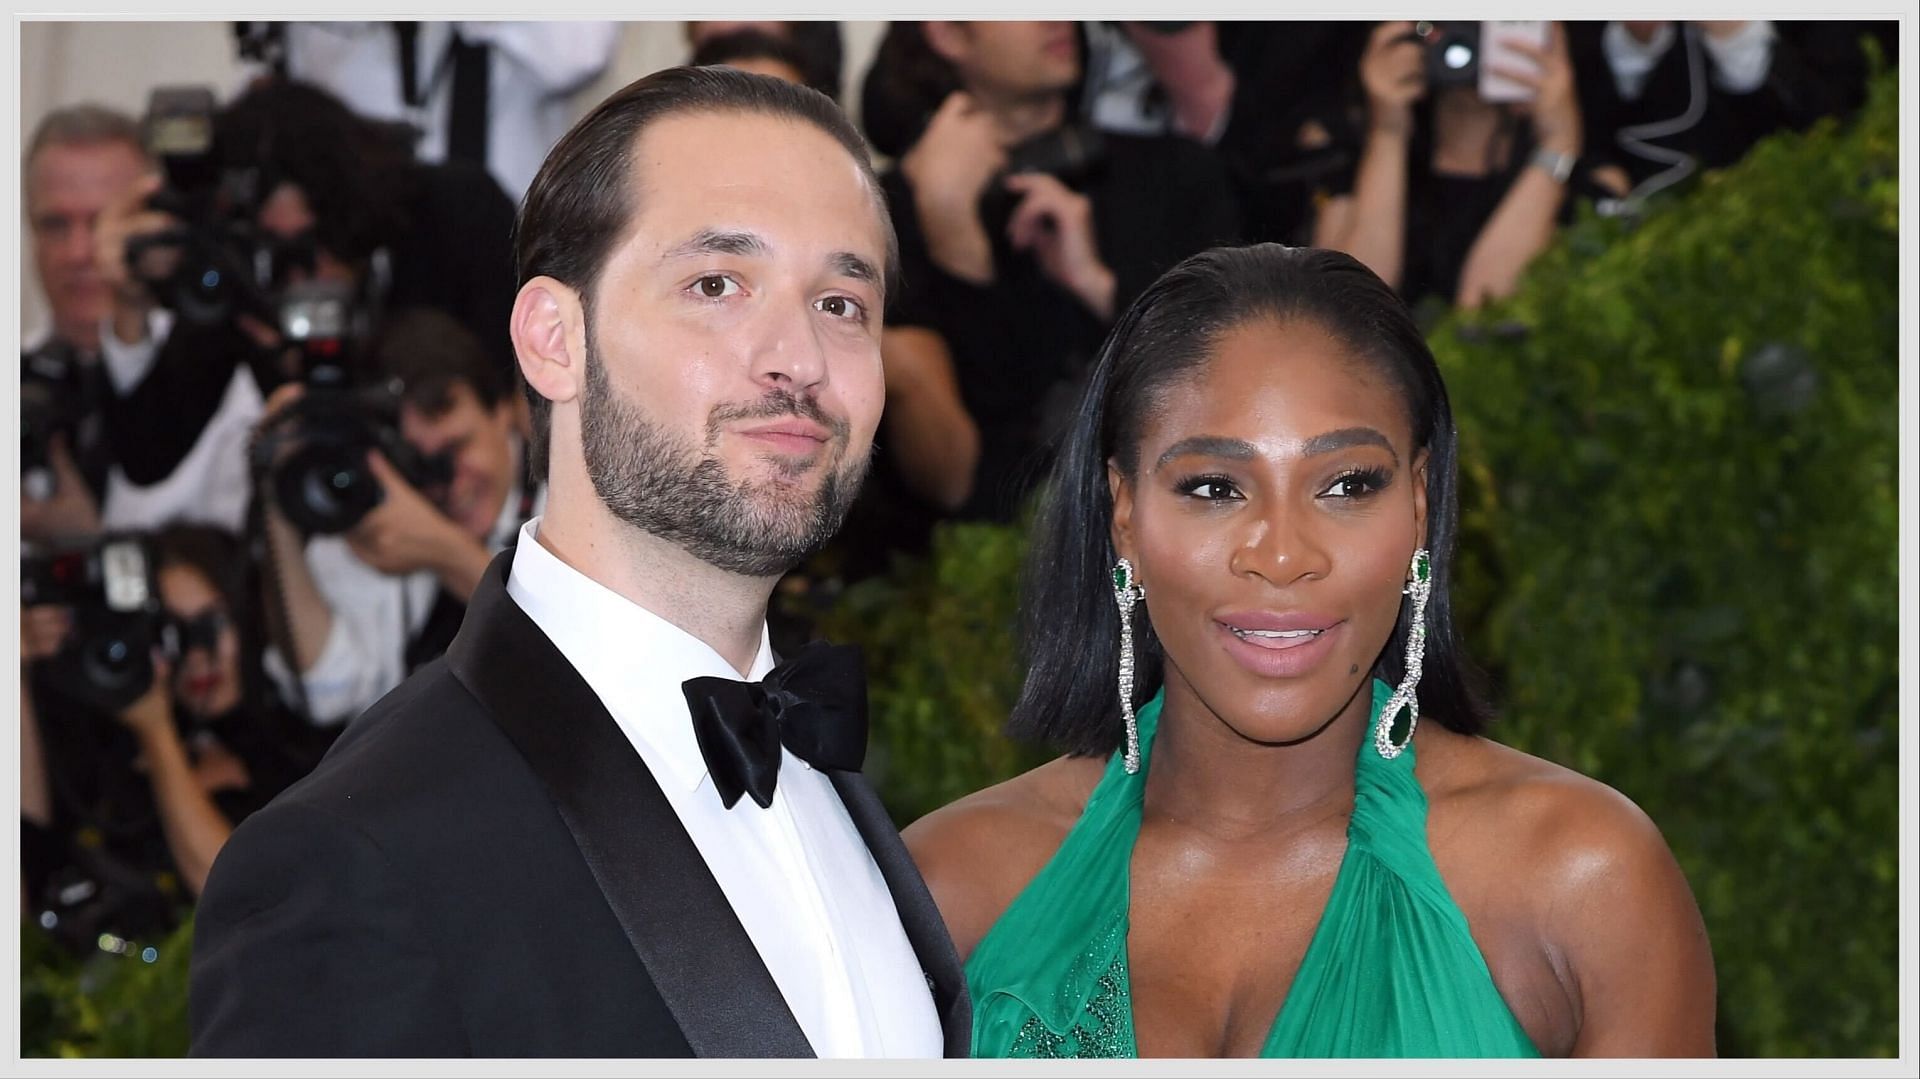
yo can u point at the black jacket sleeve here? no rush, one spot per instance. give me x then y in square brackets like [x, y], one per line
[308, 943]
[153, 427]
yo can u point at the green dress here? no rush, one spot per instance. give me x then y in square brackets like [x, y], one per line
[1391, 971]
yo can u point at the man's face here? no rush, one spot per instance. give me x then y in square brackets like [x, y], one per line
[289, 218]
[67, 187]
[477, 439]
[733, 369]
[1014, 59]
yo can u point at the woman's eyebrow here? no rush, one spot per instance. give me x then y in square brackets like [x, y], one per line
[1234, 449]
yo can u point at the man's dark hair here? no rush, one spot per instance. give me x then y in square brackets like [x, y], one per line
[356, 173]
[1070, 625]
[581, 201]
[903, 88]
[731, 48]
[429, 353]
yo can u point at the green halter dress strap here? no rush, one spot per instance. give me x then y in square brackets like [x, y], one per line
[1391, 971]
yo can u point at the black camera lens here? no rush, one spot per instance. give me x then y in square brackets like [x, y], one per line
[325, 488]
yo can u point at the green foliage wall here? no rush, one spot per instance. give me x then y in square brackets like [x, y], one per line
[1683, 514]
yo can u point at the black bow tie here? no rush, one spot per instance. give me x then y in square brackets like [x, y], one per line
[814, 703]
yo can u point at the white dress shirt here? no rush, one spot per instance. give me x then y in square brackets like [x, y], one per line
[1740, 61]
[797, 873]
[374, 616]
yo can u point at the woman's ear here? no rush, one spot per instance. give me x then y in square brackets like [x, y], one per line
[1419, 473]
[1121, 531]
[549, 335]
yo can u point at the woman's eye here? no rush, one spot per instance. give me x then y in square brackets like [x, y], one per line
[716, 286]
[1356, 485]
[843, 307]
[1210, 489]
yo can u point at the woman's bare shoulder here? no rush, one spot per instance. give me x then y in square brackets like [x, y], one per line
[977, 854]
[1595, 882]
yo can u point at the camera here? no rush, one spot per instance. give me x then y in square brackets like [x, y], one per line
[1071, 153]
[222, 263]
[117, 617]
[1453, 51]
[313, 457]
[51, 401]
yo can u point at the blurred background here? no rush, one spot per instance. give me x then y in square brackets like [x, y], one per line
[1656, 260]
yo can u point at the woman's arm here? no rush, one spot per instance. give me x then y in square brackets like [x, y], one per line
[1618, 908]
[1523, 224]
[1371, 223]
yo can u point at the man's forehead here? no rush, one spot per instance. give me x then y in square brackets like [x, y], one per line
[92, 168]
[710, 172]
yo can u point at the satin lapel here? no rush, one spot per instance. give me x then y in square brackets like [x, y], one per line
[674, 913]
[926, 930]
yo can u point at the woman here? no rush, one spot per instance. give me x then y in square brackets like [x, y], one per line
[214, 745]
[1241, 575]
[1453, 196]
[211, 745]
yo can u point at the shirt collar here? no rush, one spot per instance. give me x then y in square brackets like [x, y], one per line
[632, 659]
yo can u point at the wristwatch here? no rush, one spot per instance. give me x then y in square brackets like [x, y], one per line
[1557, 164]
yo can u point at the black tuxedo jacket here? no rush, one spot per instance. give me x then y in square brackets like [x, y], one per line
[483, 866]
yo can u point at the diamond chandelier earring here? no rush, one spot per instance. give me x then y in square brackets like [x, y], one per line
[1404, 699]
[1127, 592]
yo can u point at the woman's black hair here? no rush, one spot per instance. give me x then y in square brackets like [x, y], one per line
[1069, 621]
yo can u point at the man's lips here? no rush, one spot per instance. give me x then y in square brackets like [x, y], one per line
[789, 436]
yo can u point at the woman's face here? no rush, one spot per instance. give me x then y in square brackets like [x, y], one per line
[1277, 503]
[207, 680]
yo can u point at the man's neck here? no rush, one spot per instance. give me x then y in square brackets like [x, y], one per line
[1021, 117]
[83, 336]
[725, 610]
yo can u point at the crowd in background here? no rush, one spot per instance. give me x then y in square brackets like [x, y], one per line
[275, 431]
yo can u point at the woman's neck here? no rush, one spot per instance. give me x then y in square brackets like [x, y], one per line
[1466, 134]
[1213, 779]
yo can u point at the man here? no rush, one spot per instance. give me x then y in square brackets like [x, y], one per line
[364, 608]
[581, 835]
[78, 160]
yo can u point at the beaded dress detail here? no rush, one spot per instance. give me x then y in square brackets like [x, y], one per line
[1391, 971]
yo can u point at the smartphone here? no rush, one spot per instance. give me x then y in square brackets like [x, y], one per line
[1496, 37]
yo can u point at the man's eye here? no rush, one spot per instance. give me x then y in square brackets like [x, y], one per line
[843, 307]
[716, 286]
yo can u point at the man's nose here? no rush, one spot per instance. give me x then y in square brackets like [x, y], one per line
[787, 350]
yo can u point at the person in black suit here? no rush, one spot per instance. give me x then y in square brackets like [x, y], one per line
[607, 823]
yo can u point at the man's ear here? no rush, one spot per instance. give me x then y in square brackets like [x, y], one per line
[549, 338]
[948, 40]
[1121, 530]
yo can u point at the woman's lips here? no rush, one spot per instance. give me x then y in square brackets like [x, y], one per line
[1278, 651]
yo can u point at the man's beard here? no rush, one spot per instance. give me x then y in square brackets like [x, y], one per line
[667, 487]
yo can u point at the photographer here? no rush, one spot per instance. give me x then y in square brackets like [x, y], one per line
[1022, 233]
[1453, 194]
[78, 158]
[323, 196]
[133, 802]
[363, 608]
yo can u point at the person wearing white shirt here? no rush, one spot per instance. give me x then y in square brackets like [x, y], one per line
[611, 823]
[532, 70]
[364, 607]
